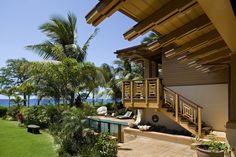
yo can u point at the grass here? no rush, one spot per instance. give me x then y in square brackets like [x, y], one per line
[17, 142]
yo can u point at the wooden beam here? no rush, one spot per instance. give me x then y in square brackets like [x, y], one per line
[215, 47]
[203, 39]
[103, 10]
[215, 56]
[194, 25]
[226, 59]
[171, 8]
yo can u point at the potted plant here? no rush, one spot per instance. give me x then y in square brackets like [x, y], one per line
[211, 148]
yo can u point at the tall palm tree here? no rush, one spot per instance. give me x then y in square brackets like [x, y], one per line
[62, 40]
[112, 87]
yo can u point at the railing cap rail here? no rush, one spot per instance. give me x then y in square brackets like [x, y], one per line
[154, 78]
[165, 88]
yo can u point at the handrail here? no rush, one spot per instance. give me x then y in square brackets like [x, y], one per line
[189, 109]
[184, 98]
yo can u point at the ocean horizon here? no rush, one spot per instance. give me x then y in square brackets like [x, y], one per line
[33, 102]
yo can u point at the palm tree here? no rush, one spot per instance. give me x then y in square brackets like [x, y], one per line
[113, 86]
[127, 70]
[62, 40]
[150, 38]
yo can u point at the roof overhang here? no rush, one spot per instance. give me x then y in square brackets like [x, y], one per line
[195, 32]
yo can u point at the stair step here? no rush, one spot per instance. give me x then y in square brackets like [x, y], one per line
[170, 109]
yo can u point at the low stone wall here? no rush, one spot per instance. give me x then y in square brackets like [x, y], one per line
[131, 134]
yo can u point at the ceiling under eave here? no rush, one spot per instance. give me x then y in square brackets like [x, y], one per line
[189, 30]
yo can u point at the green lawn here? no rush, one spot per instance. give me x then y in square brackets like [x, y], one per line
[17, 142]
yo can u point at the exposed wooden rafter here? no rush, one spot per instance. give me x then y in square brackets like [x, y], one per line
[205, 51]
[170, 9]
[194, 25]
[215, 57]
[103, 10]
[201, 40]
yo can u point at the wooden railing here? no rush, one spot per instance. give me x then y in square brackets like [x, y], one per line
[184, 107]
[144, 92]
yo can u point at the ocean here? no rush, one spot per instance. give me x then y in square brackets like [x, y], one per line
[5, 102]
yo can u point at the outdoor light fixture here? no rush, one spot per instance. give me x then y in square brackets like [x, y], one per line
[182, 57]
[169, 51]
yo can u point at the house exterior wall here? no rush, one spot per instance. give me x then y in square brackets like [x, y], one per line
[213, 99]
[209, 90]
[177, 74]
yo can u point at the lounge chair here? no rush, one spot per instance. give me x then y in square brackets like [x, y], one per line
[127, 115]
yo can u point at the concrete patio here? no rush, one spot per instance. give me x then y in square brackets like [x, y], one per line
[148, 147]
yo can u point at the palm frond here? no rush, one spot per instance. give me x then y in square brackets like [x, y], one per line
[48, 50]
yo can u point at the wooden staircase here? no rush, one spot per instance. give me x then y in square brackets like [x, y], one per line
[149, 93]
[184, 112]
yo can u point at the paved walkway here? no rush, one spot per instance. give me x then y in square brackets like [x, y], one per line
[147, 147]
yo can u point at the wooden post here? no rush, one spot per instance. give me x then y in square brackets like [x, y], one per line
[131, 92]
[176, 107]
[123, 92]
[199, 111]
[146, 92]
[158, 93]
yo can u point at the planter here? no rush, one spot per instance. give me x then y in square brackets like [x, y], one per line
[206, 153]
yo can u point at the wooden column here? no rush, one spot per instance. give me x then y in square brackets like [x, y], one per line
[231, 124]
[154, 69]
[146, 68]
[199, 121]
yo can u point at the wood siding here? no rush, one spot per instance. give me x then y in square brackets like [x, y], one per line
[177, 74]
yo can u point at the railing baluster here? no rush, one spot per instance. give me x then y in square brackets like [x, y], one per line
[123, 92]
[158, 93]
[131, 92]
[146, 89]
[176, 107]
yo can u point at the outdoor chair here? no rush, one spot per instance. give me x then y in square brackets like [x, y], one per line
[127, 115]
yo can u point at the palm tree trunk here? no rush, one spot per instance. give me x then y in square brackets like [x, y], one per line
[93, 99]
[72, 98]
[28, 100]
[24, 101]
[39, 100]
[9, 101]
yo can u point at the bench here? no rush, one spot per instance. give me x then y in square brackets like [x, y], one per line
[33, 129]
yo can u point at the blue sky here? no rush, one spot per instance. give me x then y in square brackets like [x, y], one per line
[20, 20]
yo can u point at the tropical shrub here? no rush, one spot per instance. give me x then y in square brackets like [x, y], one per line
[3, 111]
[76, 139]
[12, 112]
[20, 117]
[106, 146]
[36, 115]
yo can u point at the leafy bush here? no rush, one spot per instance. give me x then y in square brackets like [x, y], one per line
[75, 139]
[3, 111]
[106, 146]
[36, 115]
[12, 112]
